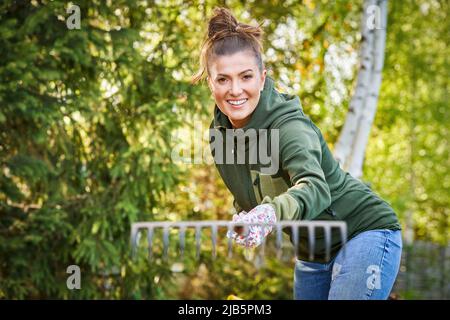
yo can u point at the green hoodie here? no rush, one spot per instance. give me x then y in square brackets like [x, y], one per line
[308, 184]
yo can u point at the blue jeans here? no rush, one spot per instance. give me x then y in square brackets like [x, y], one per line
[366, 271]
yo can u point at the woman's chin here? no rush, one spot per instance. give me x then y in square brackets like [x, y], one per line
[239, 122]
[234, 116]
[238, 113]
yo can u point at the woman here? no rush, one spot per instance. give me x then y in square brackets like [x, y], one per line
[308, 183]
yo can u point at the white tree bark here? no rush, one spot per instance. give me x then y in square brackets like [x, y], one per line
[351, 145]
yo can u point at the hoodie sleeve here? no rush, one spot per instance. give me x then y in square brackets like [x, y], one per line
[236, 206]
[301, 156]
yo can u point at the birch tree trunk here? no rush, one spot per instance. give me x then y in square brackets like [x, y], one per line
[351, 144]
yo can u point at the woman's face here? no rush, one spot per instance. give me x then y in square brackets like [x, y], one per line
[236, 84]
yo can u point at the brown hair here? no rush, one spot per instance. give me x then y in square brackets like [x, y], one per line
[227, 36]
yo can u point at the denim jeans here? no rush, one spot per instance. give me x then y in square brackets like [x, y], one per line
[367, 270]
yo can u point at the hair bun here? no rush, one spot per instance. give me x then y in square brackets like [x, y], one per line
[226, 35]
[223, 24]
[221, 21]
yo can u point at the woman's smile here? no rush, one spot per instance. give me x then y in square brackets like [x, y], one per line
[237, 103]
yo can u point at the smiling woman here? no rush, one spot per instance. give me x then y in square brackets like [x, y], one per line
[307, 183]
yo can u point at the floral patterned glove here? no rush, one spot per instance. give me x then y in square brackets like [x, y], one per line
[263, 213]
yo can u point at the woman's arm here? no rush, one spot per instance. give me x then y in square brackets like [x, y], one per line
[301, 157]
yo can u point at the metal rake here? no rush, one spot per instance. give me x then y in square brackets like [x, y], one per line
[214, 226]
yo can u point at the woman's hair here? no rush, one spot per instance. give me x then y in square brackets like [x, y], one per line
[227, 36]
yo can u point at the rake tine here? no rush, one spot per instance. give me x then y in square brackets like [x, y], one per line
[248, 254]
[230, 241]
[279, 241]
[134, 240]
[150, 242]
[295, 237]
[165, 241]
[214, 239]
[182, 240]
[263, 246]
[327, 242]
[197, 241]
[311, 239]
[343, 229]
[246, 232]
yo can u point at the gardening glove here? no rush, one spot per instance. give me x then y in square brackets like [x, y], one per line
[264, 213]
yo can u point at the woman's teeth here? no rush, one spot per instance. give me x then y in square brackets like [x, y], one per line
[237, 102]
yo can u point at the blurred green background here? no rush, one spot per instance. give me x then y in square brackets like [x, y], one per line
[89, 119]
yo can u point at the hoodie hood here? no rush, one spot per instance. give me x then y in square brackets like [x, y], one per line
[273, 108]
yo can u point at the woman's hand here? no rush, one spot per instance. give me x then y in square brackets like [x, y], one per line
[264, 213]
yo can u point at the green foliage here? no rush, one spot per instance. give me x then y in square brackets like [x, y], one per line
[86, 135]
[85, 121]
[408, 159]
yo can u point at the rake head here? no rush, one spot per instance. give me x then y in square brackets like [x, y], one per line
[293, 227]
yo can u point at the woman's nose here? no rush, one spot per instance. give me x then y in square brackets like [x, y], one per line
[236, 88]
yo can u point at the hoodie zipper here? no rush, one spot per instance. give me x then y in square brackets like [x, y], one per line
[257, 183]
[331, 211]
